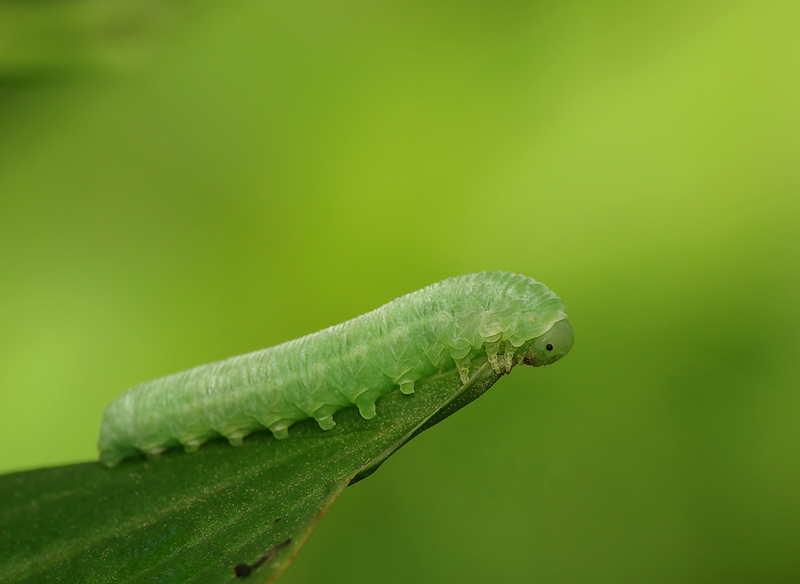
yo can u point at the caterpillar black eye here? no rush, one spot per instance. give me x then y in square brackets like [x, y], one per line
[549, 347]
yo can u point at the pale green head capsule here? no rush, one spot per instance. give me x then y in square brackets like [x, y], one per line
[551, 346]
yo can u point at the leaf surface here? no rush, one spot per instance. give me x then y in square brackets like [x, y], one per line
[221, 515]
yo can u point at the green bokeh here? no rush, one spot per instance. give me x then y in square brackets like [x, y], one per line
[226, 177]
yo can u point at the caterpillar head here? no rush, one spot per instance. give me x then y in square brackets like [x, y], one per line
[551, 346]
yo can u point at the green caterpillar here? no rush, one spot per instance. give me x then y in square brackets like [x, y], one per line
[506, 317]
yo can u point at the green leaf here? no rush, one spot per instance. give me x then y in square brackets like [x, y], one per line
[208, 516]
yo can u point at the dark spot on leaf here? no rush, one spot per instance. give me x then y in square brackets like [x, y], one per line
[243, 570]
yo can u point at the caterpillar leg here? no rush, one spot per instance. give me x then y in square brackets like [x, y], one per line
[236, 437]
[492, 350]
[366, 407]
[324, 416]
[407, 387]
[366, 402]
[463, 370]
[326, 423]
[280, 429]
[494, 361]
[509, 359]
[191, 442]
[192, 445]
[154, 451]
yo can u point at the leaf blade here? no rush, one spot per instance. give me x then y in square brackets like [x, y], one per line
[194, 518]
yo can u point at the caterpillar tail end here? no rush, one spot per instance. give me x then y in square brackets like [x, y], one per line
[112, 458]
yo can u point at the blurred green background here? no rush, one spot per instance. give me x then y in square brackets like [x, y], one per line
[182, 182]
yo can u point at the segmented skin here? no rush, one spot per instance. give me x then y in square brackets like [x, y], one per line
[445, 325]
